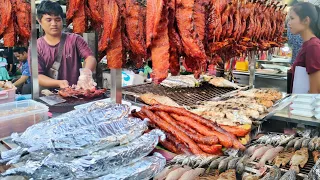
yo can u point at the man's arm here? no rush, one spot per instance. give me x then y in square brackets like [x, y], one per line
[90, 63]
[48, 82]
[21, 81]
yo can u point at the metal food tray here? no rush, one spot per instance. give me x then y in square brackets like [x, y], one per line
[278, 105]
[182, 96]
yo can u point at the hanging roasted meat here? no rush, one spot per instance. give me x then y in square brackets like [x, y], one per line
[159, 39]
[174, 40]
[134, 21]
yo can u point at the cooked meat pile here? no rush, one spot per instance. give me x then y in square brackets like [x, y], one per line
[203, 32]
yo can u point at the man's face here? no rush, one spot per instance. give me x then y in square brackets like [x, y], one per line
[21, 57]
[51, 24]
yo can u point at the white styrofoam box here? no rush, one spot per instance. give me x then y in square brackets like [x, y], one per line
[302, 113]
[317, 110]
[316, 103]
[299, 106]
[304, 100]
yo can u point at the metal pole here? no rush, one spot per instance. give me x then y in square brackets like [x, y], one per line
[116, 91]
[34, 52]
[252, 68]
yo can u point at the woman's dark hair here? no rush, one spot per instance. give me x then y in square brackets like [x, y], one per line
[20, 50]
[306, 9]
[49, 8]
[1, 54]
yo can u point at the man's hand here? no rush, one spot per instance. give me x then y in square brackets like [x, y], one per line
[85, 80]
[63, 84]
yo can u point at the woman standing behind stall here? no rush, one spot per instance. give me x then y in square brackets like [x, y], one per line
[305, 20]
[3, 70]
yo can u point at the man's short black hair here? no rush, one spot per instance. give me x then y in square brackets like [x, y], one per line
[49, 8]
[20, 50]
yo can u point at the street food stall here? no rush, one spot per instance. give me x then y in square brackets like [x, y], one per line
[187, 118]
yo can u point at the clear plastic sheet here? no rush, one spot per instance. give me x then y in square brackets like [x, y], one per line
[144, 169]
[97, 164]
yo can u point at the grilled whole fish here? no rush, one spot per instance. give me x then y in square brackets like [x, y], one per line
[259, 152]
[228, 175]
[207, 161]
[274, 174]
[283, 158]
[215, 163]
[311, 145]
[241, 164]
[269, 155]
[252, 148]
[292, 142]
[299, 159]
[224, 164]
[289, 175]
[305, 142]
[298, 143]
[286, 140]
[232, 164]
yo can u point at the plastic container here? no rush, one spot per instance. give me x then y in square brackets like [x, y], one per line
[7, 95]
[18, 116]
[302, 107]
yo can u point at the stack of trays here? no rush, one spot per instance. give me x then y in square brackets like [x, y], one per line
[307, 105]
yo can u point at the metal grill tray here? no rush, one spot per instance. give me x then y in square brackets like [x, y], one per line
[182, 96]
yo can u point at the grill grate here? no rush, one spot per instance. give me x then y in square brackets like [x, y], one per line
[182, 96]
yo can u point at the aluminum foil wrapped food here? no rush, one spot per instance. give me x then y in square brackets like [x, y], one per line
[46, 132]
[144, 169]
[102, 162]
[77, 133]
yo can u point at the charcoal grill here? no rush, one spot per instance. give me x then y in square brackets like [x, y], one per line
[182, 96]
